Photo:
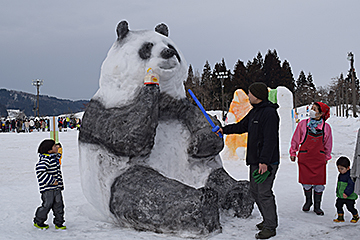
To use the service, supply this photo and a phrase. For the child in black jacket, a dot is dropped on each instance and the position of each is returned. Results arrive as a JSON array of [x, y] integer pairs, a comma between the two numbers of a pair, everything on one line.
[[345, 191]]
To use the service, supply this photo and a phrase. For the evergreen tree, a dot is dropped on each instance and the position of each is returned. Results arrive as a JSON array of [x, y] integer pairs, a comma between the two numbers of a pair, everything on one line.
[[254, 69], [311, 96], [193, 82], [208, 88], [189, 83], [340, 89], [301, 90], [260, 60], [240, 79], [325, 94], [348, 80], [205, 86], [305, 91], [272, 69], [286, 77], [197, 81]]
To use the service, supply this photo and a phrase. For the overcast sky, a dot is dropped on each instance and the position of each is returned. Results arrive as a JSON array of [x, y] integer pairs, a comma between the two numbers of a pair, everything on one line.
[[65, 42]]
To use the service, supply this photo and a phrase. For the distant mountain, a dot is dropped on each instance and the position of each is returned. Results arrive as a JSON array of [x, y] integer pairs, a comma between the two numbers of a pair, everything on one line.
[[49, 106]]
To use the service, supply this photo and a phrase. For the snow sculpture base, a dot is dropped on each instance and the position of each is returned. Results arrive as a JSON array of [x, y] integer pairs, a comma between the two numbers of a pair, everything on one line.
[[232, 194], [143, 199]]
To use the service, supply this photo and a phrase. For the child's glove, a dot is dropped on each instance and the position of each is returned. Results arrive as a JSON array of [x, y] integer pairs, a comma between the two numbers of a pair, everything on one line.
[[60, 151], [260, 178], [151, 77]]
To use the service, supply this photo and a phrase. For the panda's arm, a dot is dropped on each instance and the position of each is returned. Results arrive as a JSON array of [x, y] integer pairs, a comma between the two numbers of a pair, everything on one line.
[[203, 141], [127, 130]]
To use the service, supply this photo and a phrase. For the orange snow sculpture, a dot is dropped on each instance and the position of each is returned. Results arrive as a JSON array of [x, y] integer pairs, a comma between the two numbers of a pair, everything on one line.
[[239, 107]]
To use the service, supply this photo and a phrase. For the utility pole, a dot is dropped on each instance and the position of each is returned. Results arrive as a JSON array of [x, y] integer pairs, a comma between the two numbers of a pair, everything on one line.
[[343, 97], [37, 83], [353, 88], [222, 76], [346, 97]]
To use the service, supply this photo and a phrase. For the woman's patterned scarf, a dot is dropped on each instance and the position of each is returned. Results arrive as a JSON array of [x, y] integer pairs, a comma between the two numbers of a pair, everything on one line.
[[312, 124]]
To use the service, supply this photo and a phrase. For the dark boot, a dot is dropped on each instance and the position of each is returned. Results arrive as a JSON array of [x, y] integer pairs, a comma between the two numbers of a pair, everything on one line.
[[355, 218], [340, 218], [265, 233], [317, 203], [260, 226], [308, 200]]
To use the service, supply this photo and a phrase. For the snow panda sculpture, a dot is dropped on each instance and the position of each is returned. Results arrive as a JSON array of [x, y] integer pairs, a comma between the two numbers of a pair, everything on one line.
[[148, 158]]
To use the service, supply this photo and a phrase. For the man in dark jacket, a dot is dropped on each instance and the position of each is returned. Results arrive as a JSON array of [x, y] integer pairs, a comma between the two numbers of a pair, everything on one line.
[[262, 126]]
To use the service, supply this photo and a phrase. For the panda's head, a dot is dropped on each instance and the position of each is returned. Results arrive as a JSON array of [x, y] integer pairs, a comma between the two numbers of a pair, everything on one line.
[[126, 64]]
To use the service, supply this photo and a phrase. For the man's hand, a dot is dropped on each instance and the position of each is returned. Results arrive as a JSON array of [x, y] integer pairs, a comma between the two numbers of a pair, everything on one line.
[[345, 196], [56, 182], [292, 158], [261, 174], [262, 168], [220, 130]]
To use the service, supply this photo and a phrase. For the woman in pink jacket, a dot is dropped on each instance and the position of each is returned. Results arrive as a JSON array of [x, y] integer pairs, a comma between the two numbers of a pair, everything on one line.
[[314, 138]]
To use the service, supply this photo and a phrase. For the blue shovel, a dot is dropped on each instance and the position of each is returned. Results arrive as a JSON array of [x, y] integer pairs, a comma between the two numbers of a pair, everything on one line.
[[215, 128]]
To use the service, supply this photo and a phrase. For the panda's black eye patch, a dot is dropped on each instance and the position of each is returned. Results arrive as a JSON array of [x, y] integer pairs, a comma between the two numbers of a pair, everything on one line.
[[145, 50], [175, 52]]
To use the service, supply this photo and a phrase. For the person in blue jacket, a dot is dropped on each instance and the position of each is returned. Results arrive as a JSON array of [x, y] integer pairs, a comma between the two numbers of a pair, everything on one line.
[[345, 191]]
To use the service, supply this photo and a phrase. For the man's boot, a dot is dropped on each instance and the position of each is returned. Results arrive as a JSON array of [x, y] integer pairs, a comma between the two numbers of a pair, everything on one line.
[[308, 200], [260, 226], [317, 203], [265, 233]]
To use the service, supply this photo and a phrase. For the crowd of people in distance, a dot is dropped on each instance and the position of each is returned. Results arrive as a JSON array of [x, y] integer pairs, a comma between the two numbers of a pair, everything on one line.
[[65, 122], [37, 124]]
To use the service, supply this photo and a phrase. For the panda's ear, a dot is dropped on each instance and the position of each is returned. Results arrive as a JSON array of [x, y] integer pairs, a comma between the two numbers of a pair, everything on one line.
[[122, 29], [162, 29]]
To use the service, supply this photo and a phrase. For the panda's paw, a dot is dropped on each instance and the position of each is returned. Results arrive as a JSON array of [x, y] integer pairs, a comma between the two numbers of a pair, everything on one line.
[[151, 77]]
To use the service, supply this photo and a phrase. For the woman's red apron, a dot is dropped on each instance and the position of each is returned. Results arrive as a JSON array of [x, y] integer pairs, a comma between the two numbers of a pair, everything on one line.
[[311, 158]]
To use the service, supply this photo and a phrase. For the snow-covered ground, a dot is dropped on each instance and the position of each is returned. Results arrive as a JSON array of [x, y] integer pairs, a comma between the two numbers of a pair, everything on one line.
[[19, 196]]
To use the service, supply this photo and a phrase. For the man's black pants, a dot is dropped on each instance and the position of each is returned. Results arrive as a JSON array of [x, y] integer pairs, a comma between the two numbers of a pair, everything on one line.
[[264, 197]]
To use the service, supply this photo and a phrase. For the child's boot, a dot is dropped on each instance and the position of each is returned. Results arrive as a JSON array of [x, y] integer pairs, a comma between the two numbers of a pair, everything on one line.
[[355, 218], [41, 226], [60, 227], [317, 203], [340, 218], [308, 200]]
